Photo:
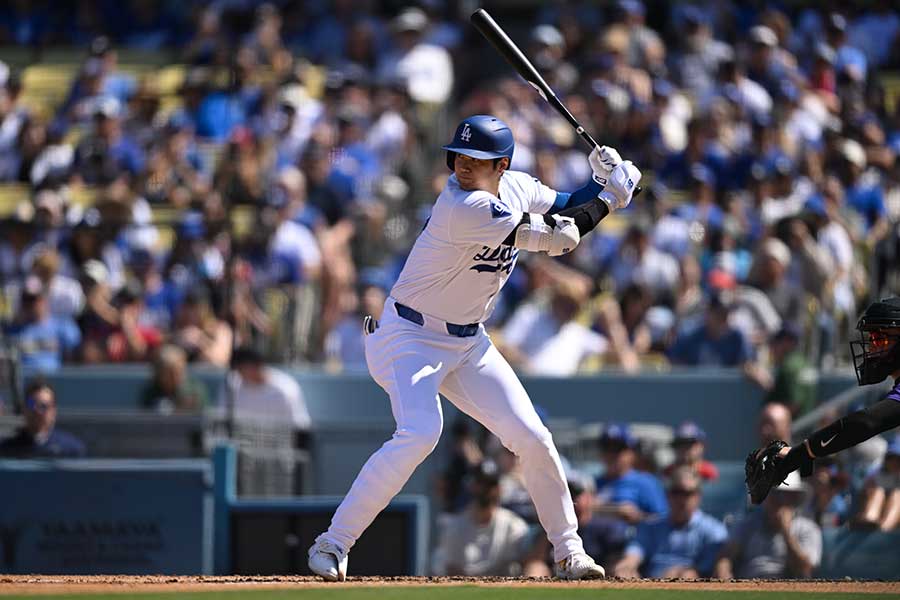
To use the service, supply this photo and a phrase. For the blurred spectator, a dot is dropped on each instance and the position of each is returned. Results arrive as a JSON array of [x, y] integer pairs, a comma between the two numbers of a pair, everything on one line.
[[427, 69], [639, 262], [172, 389], [486, 539], [263, 394], [200, 333], [716, 343], [131, 339], [545, 338], [685, 545], [689, 445], [795, 378], [64, 294], [775, 542], [624, 324], [623, 492], [829, 502], [107, 153], [774, 423], [43, 340], [344, 343], [880, 502], [13, 119], [40, 438], [465, 457]]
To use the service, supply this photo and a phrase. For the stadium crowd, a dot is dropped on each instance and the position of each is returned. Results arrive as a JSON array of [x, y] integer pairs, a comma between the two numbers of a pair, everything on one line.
[[770, 214], [268, 201]]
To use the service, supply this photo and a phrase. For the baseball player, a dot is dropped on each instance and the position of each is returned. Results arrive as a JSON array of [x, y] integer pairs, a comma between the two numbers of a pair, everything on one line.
[[875, 356], [431, 339]]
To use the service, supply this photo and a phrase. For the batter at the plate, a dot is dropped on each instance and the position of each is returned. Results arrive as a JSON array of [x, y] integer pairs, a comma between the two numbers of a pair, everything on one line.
[[431, 341]]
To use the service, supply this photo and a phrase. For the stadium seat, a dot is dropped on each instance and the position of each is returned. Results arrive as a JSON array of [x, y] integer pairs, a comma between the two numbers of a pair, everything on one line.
[[859, 554], [44, 86], [726, 496], [11, 194]]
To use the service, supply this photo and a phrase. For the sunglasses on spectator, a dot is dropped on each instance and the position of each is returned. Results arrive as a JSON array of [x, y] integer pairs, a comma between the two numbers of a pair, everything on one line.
[[683, 491]]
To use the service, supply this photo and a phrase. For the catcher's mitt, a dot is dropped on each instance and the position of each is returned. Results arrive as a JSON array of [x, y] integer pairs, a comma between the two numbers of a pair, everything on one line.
[[761, 471]]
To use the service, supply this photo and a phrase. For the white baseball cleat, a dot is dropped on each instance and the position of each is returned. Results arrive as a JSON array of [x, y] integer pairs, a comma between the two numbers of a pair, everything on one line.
[[579, 566], [327, 560]]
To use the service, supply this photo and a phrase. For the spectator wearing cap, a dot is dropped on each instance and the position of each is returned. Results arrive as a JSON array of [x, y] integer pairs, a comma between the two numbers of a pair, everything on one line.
[[294, 255], [776, 542], [132, 339], [107, 153], [622, 491], [863, 195], [426, 68], [698, 56], [160, 296], [200, 332], [240, 175], [795, 378], [13, 120], [39, 437], [624, 323], [879, 506], [824, 213], [44, 341], [763, 64], [175, 173], [295, 116], [848, 59], [548, 51], [689, 445], [684, 545], [681, 170], [645, 47], [171, 388], [713, 342], [485, 539], [769, 273], [99, 317]]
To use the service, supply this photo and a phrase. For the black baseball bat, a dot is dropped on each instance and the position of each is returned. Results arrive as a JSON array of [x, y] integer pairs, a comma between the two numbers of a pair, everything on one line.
[[493, 33]]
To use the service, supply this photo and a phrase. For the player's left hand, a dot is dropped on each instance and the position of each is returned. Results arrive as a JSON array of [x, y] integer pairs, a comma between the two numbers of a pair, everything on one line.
[[603, 159], [761, 471]]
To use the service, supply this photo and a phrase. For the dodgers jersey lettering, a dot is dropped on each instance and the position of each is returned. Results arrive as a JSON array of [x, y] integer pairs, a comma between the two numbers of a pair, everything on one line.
[[458, 263]]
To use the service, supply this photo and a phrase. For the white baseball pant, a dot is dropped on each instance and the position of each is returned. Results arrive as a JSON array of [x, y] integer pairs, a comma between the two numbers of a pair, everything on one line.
[[413, 363]]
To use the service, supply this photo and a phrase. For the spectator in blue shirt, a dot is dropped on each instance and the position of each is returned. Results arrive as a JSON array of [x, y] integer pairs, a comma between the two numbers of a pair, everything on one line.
[[108, 153], [849, 59], [43, 340], [684, 545], [863, 195], [714, 342], [622, 491], [39, 438]]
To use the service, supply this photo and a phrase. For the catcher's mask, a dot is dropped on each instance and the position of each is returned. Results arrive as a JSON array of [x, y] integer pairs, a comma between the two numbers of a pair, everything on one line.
[[877, 354]]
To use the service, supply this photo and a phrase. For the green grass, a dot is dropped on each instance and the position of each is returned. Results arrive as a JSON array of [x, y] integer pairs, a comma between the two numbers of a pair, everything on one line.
[[465, 592]]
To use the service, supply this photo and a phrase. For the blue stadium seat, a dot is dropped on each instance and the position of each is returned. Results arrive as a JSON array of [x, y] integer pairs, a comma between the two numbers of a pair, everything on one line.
[[859, 554], [727, 495]]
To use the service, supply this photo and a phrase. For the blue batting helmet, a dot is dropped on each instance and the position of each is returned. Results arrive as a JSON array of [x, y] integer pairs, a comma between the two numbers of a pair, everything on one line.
[[481, 136]]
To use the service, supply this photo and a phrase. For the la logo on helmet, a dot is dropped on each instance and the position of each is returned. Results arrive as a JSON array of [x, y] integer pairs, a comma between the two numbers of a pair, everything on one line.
[[466, 133]]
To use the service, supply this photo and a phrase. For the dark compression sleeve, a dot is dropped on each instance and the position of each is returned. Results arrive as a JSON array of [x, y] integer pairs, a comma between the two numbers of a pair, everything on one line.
[[848, 431], [586, 217]]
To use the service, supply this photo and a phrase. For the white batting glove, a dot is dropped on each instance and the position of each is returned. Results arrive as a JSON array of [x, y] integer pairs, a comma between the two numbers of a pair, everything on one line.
[[622, 181], [603, 160]]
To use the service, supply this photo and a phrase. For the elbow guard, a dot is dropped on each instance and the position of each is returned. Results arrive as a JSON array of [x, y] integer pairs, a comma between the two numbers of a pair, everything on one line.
[[535, 235]]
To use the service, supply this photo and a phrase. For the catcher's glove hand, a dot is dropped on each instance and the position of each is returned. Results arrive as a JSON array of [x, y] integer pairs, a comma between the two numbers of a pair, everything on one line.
[[761, 471]]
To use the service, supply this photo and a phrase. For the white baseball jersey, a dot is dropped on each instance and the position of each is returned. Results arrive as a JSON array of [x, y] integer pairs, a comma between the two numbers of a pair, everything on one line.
[[459, 263]]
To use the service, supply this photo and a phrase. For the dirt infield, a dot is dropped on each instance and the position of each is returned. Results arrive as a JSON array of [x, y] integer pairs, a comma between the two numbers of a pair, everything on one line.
[[61, 584]]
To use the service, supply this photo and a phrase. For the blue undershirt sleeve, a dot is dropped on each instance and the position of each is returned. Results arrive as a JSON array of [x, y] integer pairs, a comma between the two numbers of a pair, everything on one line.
[[584, 194]]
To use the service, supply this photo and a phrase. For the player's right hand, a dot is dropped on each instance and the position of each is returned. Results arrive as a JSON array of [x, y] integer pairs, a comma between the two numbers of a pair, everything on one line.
[[622, 182], [603, 159]]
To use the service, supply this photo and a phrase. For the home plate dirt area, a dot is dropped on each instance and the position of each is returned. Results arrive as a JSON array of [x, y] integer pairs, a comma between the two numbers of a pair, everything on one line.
[[430, 588]]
